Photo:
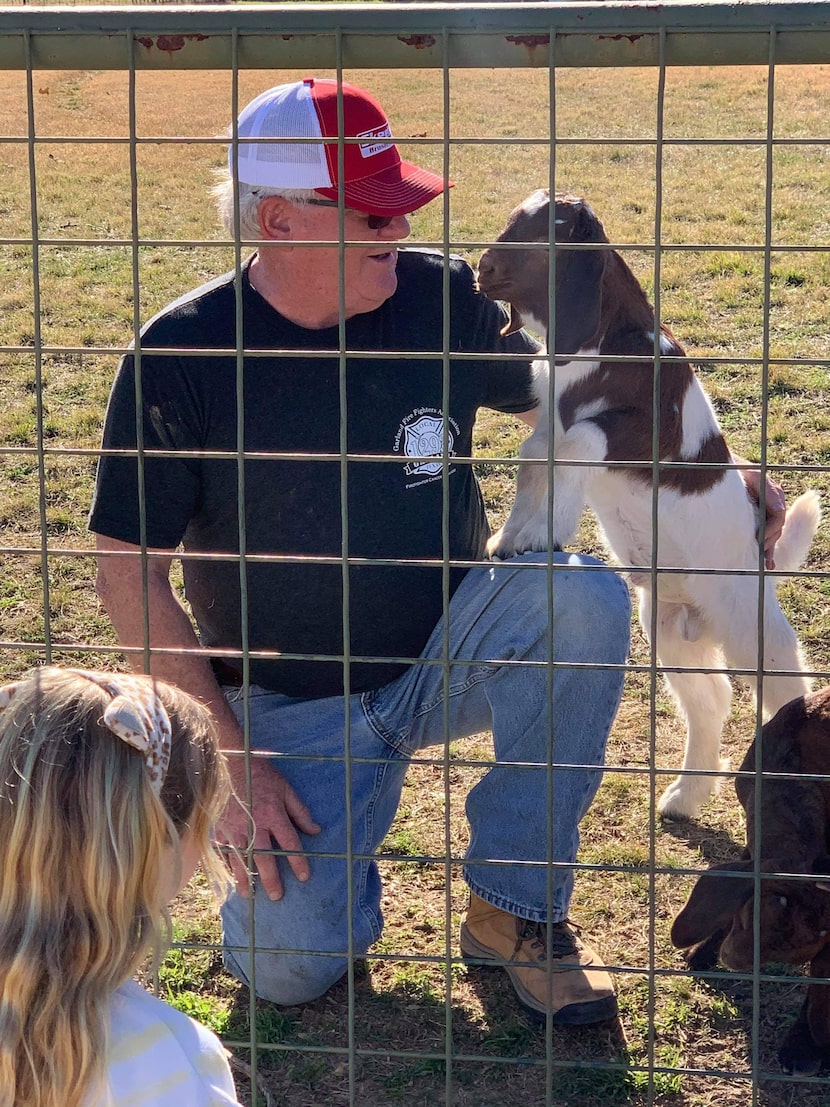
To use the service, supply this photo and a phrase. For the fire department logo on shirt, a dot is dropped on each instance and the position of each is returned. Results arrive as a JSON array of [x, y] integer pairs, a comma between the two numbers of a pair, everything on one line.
[[421, 435]]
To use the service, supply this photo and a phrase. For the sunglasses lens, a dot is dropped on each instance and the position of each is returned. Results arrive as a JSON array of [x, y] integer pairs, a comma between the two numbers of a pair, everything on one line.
[[374, 222]]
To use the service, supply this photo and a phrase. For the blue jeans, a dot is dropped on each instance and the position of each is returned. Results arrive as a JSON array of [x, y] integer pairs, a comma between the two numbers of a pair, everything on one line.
[[539, 716]]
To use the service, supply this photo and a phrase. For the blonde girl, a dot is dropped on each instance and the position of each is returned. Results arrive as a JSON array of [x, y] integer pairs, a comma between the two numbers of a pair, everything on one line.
[[109, 786]]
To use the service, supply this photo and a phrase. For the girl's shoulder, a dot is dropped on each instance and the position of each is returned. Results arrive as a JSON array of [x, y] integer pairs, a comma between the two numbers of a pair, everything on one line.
[[172, 1057]]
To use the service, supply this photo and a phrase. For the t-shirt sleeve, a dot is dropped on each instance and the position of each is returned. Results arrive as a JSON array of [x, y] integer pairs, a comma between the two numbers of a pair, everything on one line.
[[170, 422], [506, 383], [159, 1057], [213, 1069]]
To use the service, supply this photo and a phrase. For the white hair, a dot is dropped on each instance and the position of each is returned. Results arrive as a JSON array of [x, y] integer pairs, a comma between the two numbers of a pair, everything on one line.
[[250, 197]]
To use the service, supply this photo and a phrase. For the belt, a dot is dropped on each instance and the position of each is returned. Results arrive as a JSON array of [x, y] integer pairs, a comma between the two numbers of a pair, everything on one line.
[[225, 673]]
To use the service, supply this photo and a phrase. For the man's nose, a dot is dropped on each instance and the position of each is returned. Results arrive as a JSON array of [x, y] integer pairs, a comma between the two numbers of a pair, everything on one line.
[[400, 227]]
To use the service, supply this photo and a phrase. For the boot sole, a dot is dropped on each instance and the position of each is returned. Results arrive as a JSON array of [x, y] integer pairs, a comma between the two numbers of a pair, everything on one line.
[[574, 1014]]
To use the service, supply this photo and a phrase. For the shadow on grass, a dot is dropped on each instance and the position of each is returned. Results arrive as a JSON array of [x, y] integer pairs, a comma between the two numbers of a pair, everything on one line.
[[582, 1065], [715, 846], [733, 1013], [397, 1051]]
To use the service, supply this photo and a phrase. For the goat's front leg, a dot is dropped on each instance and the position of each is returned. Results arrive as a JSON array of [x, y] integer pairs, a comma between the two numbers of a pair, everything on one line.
[[806, 1048], [800, 1054], [527, 526]]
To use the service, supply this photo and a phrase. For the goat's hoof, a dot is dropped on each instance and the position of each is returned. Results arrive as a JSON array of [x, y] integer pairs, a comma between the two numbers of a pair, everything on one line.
[[800, 1055], [686, 794], [500, 550], [501, 555], [675, 803]]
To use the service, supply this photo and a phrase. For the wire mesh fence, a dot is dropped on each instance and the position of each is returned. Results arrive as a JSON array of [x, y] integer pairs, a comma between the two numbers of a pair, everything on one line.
[[697, 133]]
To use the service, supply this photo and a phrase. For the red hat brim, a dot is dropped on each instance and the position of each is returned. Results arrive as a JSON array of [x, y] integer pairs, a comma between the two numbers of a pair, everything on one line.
[[397, 190]]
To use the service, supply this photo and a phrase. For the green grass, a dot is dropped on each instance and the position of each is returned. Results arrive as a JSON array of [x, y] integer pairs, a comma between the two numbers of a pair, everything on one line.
[[713, 298]]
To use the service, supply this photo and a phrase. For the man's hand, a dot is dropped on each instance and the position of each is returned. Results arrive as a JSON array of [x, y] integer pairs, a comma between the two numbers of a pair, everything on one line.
[[775, 505], [277, 812]]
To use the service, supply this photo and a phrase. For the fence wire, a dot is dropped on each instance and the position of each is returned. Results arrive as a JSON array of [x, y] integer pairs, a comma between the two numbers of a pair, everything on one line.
[[745, 293]]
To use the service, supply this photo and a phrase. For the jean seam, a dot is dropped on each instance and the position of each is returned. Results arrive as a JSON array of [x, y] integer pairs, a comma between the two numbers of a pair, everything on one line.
[[483, 672], [372, 916], [236, 693], [375, 721], [397, 740]]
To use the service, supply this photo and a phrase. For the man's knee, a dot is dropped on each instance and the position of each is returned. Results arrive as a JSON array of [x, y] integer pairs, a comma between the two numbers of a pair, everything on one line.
[[590, 603], [287, 979], [597, 599], [295, 955]]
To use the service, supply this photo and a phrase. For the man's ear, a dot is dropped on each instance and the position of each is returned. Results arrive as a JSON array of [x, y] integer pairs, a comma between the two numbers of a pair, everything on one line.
[[275, 218]]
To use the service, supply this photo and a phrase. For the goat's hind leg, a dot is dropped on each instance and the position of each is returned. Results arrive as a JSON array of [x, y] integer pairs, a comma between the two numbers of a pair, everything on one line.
[[704, 700], [782, 650]]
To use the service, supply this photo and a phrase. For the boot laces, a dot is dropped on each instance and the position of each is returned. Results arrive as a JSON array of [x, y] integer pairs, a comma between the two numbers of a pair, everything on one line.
[[563, 938]]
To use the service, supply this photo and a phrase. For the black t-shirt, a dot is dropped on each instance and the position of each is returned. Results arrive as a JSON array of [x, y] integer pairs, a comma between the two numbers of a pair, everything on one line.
[[292, 405]]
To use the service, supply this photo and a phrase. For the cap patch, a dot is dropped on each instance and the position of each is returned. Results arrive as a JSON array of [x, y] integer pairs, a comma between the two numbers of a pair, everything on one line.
[[369, 149]]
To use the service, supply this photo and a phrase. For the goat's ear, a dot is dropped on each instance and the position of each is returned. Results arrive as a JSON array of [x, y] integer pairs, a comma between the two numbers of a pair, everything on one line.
[[821, 867], [578, 298], [513, 324], [712, 903]]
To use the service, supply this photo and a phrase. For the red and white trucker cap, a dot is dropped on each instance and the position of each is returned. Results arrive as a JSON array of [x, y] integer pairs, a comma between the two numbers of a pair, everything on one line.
[[376, 181]]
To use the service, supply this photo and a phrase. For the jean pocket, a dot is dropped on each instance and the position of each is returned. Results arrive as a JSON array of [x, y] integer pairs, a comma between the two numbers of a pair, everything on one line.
[[380, 714]]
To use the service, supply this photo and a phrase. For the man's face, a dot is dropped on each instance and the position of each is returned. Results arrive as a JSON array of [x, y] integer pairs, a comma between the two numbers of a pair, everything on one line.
[[369, 270]]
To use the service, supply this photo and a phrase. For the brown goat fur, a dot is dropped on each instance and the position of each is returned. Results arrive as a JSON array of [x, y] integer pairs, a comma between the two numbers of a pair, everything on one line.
[[789, 832]]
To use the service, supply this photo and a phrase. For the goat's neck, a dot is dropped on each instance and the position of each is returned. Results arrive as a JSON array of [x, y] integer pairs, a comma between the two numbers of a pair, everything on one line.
[[535, 309]]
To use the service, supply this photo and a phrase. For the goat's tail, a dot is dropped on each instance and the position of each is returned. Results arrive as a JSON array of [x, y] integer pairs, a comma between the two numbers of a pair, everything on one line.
[[803, 518]]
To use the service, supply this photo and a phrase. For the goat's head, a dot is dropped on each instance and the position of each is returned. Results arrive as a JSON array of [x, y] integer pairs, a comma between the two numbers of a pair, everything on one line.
[[794, 914], [520, 275]]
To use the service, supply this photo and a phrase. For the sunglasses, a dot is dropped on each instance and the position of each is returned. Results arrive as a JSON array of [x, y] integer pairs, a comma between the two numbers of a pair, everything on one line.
[[375, 222]]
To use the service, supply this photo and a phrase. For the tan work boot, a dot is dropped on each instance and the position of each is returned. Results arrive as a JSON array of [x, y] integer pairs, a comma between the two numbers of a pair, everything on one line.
[[570, 987]]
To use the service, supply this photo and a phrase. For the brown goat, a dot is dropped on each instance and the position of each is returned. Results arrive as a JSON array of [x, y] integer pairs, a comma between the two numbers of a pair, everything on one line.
[[596, 416], [790, 834]]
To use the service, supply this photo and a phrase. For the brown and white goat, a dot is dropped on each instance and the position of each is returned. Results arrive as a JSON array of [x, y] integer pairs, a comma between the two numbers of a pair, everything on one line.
[[790, 833], [602, 411]]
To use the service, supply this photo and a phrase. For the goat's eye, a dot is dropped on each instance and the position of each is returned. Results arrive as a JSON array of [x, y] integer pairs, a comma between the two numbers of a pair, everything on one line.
[[782, 900]]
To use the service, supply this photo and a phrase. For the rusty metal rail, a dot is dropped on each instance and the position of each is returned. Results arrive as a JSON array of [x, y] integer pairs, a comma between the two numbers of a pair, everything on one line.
[[618, 33]]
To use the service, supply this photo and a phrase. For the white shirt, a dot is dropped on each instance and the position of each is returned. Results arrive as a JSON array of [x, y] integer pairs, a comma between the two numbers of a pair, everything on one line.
[[159, 1057]]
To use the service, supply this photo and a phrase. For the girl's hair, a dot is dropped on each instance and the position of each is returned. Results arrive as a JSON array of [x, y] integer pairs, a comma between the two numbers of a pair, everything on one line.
[[250, 197], [86, 846]]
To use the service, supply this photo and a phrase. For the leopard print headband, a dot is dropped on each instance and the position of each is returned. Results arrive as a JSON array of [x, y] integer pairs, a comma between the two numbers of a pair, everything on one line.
[[135, 714]]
